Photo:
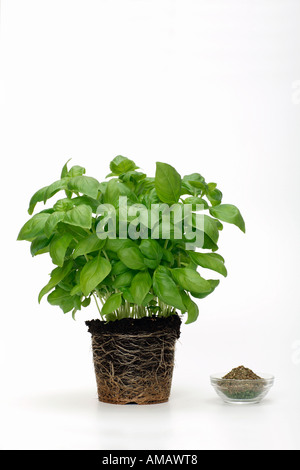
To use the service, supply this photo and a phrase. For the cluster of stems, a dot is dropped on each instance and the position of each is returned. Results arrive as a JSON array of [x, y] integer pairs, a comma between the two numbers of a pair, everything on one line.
[[128, 310]]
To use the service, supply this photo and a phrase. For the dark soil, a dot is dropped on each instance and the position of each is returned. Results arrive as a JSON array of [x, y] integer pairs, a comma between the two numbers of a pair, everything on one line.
[[136, 326]]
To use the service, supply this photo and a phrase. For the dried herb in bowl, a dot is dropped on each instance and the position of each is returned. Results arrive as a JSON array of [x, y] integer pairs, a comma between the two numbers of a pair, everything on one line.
[[241, 384], [241, 373]]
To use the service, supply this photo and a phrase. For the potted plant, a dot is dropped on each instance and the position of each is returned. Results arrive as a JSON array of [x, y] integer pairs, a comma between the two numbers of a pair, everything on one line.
[[131, 243]]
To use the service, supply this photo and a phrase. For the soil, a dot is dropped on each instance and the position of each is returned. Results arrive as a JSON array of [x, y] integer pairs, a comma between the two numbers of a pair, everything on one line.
[[134, 358], [136, 326]]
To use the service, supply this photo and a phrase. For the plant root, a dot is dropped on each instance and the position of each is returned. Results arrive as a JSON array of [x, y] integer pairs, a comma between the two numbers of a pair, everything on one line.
[[134, 368]]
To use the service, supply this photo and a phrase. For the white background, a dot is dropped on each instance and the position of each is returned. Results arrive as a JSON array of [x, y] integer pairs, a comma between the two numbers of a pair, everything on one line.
[[207, 86]]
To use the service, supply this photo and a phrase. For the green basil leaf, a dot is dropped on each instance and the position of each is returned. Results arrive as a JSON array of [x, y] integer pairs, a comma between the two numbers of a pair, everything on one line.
[[196, 202], [123, 280], [112, 304], [76, 290], [147, 300], [199, 185], [167, 183], [87, 201], [65, 174], [63, 205], [56, 276], [76, 171], [151, 263], [190, 280], [64, 171], [37, 197], [88, 245], [203, 222], [119, 268], [193, 312], [117, 244], [77, 232], [33, 227], [68, 282], [40, 245], [144, 187], [215, 197], [132, 176], [80, 216], [168, 256], [52, 222], [208, 244], [58, 248], [77, 303], [114, 190], [211, 261], [213, 284], [132, 258], [211, 228], [127, 296], [111, 255], [84, 184], [55, 188], [152, 250], [191, 308], [94, 272], [86, 302], [193, 184], [165, 288], [62, 299], [194, 177], [230, 214], [120, 165], [140, 286]]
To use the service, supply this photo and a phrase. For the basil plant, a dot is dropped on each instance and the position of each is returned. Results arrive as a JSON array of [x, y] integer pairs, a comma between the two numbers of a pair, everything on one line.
[[133, 243]]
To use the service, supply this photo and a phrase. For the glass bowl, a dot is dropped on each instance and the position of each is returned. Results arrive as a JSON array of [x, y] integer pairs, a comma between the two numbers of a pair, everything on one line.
[[242, 391]]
